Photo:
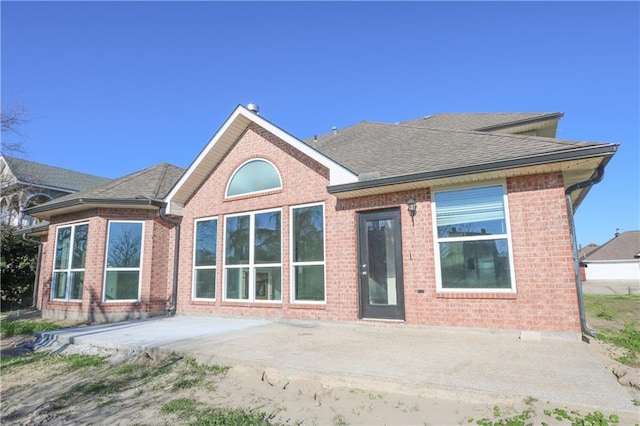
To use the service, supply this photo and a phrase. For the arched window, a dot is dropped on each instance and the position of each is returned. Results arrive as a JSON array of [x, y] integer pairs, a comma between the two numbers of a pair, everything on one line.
[[254, 176]]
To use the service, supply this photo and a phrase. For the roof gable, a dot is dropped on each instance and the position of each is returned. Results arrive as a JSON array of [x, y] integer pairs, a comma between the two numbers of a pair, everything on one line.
[[222, 142], [44, 175]]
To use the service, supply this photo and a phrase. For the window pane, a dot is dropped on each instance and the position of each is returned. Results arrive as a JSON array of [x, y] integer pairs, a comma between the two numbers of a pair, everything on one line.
[[267, 238], [472, 211], [256, 175], [125, 243], [122, 285], [475, 264], [205, 283], [308, 234], [237, 283], [77, 279], [206, 235], [309, 282], [79, 246], [59, 285], [268, 284], [62, 248], [237, 240]]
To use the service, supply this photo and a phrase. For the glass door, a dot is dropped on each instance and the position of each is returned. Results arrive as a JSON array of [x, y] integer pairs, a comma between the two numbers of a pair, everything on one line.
[[380, 265]]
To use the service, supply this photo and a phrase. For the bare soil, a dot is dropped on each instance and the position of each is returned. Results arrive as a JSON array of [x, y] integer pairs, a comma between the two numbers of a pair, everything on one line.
[[47, 393]]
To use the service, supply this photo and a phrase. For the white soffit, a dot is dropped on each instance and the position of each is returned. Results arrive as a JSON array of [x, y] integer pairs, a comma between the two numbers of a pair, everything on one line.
[[222, 141]]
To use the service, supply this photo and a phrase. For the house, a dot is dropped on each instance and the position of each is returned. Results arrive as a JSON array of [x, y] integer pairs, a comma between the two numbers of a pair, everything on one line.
[[27, 184], [454, 220], [617, 259]]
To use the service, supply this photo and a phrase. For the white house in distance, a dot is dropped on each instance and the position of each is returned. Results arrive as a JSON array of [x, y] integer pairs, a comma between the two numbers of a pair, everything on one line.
[[617, 259]]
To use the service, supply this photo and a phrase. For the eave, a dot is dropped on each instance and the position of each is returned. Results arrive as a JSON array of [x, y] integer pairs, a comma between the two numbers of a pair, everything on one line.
[[576, 165], [220, 144], [46, 211]]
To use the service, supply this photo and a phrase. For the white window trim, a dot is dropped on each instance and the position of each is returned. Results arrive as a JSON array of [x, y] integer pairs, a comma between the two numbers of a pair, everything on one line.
[[293, 264], [251, 265], [507, 236], [244, 194], [106, 258], [195, 268], [68, 269]]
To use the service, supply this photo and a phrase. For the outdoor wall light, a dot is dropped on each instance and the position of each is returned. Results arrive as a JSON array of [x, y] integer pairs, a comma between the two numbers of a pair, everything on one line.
[[411, 207]]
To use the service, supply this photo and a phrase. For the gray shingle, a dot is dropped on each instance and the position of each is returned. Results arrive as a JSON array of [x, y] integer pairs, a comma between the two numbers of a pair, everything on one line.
[[34, 173], [151, 183], [625, 246], [476, 121], [396, 150]]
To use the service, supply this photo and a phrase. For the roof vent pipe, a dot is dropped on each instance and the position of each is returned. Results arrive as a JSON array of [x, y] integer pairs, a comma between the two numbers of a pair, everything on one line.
[[254, 108], [334, 129]]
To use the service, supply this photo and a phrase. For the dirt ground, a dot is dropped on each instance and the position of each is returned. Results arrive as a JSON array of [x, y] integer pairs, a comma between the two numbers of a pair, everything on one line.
[[131, 387]]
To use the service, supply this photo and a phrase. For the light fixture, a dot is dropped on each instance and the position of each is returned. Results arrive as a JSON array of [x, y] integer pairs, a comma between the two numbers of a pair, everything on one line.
[[411, 207]]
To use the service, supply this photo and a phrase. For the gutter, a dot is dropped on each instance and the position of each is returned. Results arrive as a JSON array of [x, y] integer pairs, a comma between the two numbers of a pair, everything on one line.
[[171, 311], [574, 154], [80, 201], [595, 179]]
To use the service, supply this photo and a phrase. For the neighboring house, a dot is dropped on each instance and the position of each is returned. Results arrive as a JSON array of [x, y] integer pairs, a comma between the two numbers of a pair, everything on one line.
[[26, 184], [617, 259], [455, 220], [582, 253]]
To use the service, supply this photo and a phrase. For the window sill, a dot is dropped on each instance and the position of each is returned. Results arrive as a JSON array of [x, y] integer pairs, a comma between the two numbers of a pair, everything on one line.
[[275, 304], [477, 295], [318, 306], [79, 302]]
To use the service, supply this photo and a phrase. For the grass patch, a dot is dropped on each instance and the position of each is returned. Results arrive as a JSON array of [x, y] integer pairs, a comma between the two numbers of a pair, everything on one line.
[[21, 360], [195, 374], [612, 307], [628, 339], [231, 416], [17, 327], [189, 409], [184, 408], [76, 361]]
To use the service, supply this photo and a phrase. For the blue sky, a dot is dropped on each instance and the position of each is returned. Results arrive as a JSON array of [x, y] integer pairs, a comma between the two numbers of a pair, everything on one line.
[[114, 87]]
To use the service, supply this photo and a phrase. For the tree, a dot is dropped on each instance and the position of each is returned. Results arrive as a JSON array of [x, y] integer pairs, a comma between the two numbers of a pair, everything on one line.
[[12, 117], [18, 259]]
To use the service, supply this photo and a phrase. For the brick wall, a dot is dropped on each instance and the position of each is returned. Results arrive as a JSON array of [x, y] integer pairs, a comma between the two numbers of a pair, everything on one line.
[[545, 300], [156, 266]]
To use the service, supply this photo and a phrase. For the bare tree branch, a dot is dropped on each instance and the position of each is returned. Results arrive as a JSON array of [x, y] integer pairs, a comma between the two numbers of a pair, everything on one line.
[[12, 118]]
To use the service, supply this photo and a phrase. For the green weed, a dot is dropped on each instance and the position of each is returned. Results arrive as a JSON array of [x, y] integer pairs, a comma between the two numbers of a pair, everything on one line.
[[231, 416], [590, 419], [21, 360], [76, 361], [182, 407], [628, 338], [16, 327]]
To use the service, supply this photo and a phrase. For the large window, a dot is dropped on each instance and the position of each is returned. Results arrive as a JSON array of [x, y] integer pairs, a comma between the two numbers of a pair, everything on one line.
[[472, 240], [204, 259], [253, 259], [252, 177], [124, 258], [307, 252], [68, 269]]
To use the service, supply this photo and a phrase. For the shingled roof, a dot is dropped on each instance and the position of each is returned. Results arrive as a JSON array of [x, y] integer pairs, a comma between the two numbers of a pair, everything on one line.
[[152, 183], [625, 246], [480, 121], [387, 150], [34, 173]]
